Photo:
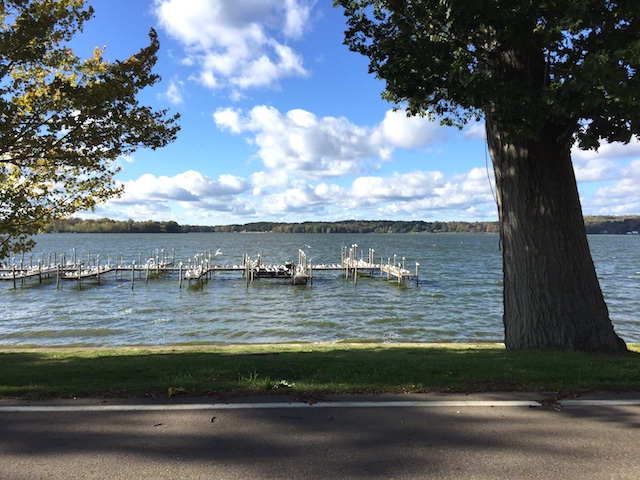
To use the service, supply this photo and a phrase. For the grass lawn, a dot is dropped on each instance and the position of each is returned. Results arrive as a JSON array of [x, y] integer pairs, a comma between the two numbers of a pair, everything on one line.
[[307, 370]]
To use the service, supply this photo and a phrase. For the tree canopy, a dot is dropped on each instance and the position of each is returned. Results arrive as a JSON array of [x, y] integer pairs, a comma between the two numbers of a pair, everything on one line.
[[525, 61], [65, 120]]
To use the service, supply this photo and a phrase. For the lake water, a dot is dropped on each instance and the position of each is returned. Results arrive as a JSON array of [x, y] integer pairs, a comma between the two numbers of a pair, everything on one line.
[[458, 299]]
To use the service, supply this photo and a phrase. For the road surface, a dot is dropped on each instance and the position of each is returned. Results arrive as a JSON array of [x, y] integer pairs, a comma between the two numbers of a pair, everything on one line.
[[480, 436]]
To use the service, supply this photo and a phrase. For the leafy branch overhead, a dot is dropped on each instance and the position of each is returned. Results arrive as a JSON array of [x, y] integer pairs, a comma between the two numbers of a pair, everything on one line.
[[575, 61], [65, 120]]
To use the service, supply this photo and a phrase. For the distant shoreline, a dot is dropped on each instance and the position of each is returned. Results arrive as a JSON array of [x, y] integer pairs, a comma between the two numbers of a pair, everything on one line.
[[614, 225]]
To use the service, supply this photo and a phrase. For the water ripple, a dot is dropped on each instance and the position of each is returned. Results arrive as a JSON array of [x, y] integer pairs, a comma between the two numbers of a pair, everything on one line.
[[459, 298]]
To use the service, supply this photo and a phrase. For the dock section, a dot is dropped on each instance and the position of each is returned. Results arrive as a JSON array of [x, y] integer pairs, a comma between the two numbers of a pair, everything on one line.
[[202, 268], [355, 266]]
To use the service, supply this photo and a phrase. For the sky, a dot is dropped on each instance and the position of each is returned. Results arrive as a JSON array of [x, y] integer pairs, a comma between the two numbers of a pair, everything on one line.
[[281, 122]]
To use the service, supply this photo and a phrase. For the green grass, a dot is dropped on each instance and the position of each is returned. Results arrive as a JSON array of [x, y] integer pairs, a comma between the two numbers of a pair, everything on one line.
[[308, 371]]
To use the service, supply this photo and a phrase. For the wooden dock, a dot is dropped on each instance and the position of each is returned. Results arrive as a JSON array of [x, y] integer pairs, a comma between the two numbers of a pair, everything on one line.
[[391, 271], [201, 268]]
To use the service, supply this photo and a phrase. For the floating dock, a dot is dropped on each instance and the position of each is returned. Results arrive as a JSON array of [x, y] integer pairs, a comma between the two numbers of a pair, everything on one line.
[[202, 268]]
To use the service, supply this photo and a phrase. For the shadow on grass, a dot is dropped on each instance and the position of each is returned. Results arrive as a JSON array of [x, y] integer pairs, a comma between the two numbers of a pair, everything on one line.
[[308, 371]]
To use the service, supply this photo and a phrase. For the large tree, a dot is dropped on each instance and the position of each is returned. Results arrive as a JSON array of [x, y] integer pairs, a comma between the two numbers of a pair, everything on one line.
[[544, 75], [64, 120]]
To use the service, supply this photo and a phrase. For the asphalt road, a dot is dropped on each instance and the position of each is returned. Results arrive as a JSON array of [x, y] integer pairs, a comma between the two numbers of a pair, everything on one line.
[[432, 436]]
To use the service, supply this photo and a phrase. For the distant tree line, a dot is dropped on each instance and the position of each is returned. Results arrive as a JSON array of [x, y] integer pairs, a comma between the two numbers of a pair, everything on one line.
[[612, 225], [599, 225], [362, 226], [106, 225]]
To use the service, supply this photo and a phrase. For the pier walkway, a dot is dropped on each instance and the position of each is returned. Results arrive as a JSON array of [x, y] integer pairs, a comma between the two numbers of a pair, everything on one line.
[[391, 271], [202, 268]]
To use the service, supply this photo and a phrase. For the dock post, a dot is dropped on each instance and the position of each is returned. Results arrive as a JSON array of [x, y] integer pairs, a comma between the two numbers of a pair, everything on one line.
[[371, 261], [180, 275], [133, 273], [62, 264], [417, 265]]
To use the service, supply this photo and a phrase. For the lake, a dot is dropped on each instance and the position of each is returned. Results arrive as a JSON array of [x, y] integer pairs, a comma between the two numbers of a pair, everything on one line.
[[458, 298]]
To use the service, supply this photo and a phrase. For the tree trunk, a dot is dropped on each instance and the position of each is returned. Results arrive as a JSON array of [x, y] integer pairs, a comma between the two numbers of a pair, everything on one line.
[[552, 297]]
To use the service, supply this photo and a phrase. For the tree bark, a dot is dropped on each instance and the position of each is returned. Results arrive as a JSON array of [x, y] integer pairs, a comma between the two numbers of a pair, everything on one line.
[[552, 296]]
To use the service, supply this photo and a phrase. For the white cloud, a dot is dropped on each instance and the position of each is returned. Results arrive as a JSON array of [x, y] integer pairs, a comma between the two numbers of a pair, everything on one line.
[[619, 198], [173, 94], [315, 148], [228, 119], [297, 17], [594, 169], [418, 194], [238, 44], [475, 131], [300, 198], [603, 164], [458, 196], [373, 190], [190, 186], [609, 150], [402, 131], [301, 143], [478, 181], [265, 181], [201, 200]]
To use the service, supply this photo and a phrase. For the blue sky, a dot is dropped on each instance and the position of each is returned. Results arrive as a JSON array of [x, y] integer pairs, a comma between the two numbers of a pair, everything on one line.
[[281, 122]]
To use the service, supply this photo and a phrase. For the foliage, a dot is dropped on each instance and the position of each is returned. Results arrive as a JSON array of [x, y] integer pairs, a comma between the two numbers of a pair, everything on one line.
[[526, 61], [612, 225], [65, 120], [595, 225], [362, 226], [105, 225]]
